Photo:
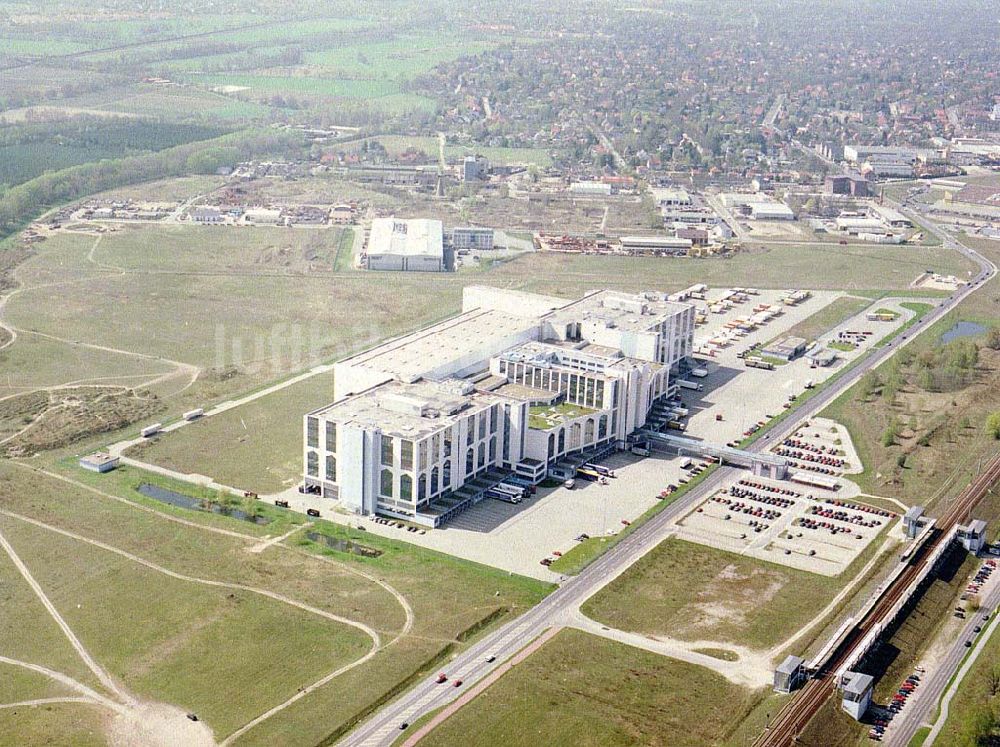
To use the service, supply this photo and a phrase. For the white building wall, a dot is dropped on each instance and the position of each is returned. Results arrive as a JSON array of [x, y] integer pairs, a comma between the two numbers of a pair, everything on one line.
[[349, 378], [358, 485], [389, 262]]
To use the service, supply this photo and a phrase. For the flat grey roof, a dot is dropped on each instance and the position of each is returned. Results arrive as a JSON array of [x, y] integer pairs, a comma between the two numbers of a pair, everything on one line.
[[790, 664], [412, 356], [858, 683], [626, 311], [410, 411]]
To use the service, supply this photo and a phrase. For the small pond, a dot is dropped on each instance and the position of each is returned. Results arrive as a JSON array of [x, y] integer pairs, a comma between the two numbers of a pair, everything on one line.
[[343, 545], [963, 329], [186, 501]]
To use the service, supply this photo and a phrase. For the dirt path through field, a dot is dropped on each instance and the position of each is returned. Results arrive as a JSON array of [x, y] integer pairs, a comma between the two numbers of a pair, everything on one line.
[[140, 723], [181, 369]]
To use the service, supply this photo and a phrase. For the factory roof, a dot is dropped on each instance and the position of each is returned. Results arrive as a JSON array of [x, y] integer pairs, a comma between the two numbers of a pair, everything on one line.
[[624, 311], [462, 337], [410, 411], [418, 237]]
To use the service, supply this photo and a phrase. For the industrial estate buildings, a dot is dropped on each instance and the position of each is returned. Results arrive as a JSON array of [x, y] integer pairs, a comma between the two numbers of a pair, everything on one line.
[[516, 383]]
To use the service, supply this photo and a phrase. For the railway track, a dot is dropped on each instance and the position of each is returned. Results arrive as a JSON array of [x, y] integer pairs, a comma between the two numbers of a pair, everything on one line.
[[793, 718]]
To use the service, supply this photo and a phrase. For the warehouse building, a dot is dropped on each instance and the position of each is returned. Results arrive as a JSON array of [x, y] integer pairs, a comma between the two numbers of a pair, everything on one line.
[[757, 206], [415, 245], [513, 384], [656, 245], [668, 197], [785, 348], [770, 211]]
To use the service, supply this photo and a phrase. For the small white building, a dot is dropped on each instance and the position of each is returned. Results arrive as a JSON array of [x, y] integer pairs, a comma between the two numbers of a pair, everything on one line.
[[669, 197], [263, 216], [655, 245], [99, 462], [590, 189], [973, 535], [770, 211], [857, 693], [415, 245]]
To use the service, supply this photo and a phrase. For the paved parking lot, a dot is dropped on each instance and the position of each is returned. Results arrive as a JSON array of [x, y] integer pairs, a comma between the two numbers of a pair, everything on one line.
[[517, 537], [745, 396], [782, 522], [824, 447]]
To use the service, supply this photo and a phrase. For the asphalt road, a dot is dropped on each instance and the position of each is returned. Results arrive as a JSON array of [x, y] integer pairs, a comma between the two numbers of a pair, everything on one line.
[[470, 666], [925, 699]]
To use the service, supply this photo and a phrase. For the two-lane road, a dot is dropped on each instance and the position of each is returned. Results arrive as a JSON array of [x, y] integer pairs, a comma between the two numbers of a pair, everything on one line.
[[471, 665], [925, 699]]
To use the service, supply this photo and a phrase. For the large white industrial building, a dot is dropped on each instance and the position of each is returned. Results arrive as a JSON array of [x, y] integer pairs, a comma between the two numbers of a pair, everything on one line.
[[416, 245], [516, 383]]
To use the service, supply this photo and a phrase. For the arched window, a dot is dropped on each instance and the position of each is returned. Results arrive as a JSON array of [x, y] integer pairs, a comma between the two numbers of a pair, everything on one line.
[[422, 488], [312, 464], [552, 445], [602, 427], [562, 441], [405, 488], [574, 436], [386, 488], [470, 461], [493, 449], [331, 468], [588, 431], [482, 455], [434, 481]]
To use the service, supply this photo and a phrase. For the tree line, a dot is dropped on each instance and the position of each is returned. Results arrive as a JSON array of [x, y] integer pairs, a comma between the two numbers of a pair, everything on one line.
[[25, 202]]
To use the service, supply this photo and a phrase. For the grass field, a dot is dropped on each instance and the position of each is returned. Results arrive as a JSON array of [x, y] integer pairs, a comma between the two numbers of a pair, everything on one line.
[[34, 361], [693, 592], [180, 642], [229, 654], [384, 95], [402, 58], [831, 315], [588, 691], [50, 724], [256, 447], [275, 303], [781, 266]]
